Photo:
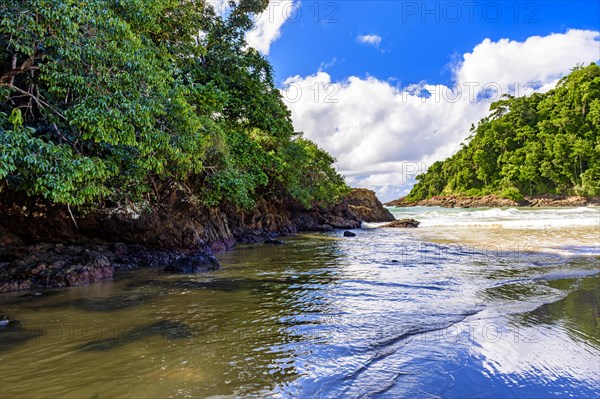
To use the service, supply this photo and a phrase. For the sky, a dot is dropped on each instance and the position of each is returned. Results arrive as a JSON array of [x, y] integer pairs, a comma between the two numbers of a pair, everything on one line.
[[389, 87]]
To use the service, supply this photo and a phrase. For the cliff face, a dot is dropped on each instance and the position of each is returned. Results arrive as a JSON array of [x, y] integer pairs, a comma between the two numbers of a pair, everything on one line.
[[180, 223], [42, 245]]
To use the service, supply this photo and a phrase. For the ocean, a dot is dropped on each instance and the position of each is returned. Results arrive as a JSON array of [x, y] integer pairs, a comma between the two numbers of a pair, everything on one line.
[[475, 303]]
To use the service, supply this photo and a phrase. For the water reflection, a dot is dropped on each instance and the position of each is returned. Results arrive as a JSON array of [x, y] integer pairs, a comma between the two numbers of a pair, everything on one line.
[[578, 312], [383, 314]]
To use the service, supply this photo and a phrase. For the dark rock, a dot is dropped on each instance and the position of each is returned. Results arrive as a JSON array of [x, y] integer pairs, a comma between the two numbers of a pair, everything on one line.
[[336, 217], [193, 264], [272, 241], [349, 234], [9, 239], [49, 266], [178, 223], [324, 228], [365, 204], [403, 223], [41, 246]]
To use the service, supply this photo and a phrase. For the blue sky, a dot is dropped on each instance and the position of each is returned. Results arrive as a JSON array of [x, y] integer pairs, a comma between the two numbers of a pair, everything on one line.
[[344, 68], [419, 39]]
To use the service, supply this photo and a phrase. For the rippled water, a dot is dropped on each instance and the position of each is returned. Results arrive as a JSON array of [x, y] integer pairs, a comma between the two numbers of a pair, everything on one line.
[[460, 307], [566, 231]]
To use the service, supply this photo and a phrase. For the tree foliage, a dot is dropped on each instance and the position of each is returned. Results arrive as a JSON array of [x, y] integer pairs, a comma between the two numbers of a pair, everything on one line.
[[108, 99], [541, 144]]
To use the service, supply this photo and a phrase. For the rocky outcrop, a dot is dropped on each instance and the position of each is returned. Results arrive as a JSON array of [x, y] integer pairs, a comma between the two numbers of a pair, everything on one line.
[[178, 223], [277, 216], [494, 201], [58, 265], [179, 234], [365, 204], [556, 201], [403, 223], [52, 266]]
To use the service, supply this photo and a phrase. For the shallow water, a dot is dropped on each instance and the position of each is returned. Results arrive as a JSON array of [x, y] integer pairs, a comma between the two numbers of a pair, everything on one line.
[[431, 312], [566, 231]]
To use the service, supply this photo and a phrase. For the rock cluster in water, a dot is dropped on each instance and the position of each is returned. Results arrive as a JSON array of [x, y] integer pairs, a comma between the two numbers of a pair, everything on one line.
[[403, 223], [59, 265], [365, 204]]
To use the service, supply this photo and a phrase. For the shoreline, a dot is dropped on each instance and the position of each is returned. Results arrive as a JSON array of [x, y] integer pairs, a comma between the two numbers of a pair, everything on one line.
[[44, 246], [494, 201], [206, 315]]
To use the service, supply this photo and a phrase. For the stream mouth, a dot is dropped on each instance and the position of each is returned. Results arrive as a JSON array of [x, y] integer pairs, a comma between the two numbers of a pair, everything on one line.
[[479, 307]]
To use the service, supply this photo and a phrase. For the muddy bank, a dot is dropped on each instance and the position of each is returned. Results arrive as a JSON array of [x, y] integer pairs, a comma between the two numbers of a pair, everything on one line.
[[495, 202], [44, 245]]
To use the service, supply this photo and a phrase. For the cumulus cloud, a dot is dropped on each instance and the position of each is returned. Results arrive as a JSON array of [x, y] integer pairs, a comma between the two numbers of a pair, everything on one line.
[[384, 134], [371, 40], [268, 25], [538, 60]]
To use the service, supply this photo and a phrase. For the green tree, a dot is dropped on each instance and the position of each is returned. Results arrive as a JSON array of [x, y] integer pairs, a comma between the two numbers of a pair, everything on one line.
[[541, 144], [106, 99]]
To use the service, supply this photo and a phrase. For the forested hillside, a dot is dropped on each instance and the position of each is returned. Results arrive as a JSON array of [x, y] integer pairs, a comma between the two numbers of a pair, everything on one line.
[[541, 144], [106, 101]]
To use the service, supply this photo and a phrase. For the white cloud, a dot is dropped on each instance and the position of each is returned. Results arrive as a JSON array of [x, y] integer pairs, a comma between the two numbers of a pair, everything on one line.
[[538, 59], [268, 25], [371, 40], [381, 134]]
